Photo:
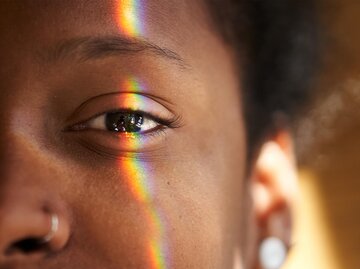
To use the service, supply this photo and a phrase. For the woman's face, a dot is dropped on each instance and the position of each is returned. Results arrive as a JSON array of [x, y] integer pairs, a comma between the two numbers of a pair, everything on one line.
[[124, 119]]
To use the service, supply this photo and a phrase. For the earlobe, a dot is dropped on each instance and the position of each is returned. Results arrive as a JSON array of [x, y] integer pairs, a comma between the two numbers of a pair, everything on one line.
[[274, 190]]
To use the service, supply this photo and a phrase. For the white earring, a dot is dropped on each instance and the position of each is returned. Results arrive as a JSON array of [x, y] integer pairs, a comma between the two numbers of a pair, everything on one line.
[[272, 253]]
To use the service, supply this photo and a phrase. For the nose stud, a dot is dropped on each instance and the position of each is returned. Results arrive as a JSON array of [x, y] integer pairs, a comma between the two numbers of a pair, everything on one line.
[[53, 229]]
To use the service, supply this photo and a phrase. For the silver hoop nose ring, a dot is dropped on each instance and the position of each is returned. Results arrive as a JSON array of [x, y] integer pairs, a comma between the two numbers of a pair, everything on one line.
[[53, 229]]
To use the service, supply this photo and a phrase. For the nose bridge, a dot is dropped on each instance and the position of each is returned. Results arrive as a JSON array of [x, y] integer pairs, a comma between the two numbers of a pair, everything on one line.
[[22, 161], [23, 174], [24, 158]]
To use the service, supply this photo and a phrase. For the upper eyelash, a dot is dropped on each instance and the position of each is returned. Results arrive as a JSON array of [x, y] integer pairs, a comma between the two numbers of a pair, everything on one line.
[[171, 123]]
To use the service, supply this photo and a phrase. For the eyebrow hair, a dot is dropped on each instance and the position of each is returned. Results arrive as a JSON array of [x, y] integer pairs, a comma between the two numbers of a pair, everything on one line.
[[92, 48]]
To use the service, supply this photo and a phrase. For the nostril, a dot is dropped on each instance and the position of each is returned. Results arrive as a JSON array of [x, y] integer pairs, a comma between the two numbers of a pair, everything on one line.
[[29, 236], [26, 246]]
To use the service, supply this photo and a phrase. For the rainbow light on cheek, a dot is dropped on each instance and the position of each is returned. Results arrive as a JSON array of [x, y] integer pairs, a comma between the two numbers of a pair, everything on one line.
[[130, 17], [140, 183]]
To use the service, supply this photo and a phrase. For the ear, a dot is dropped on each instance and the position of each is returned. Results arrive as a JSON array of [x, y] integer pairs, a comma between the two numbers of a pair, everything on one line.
[[274, 188]]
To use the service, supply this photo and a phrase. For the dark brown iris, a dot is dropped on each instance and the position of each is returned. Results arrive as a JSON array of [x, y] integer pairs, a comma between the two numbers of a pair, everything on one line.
[[126, 122]]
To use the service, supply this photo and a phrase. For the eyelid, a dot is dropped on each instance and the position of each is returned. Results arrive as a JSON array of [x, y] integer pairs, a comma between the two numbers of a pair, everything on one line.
[[121, 102]]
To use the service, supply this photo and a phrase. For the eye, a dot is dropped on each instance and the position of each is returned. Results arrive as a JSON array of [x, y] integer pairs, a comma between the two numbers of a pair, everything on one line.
[[132, 122], [115, 123]]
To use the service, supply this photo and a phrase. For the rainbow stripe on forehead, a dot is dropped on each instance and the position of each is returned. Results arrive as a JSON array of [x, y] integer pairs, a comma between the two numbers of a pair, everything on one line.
[[130, 17]]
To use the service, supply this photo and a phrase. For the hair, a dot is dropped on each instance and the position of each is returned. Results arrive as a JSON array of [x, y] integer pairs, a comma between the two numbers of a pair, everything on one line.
[[276, 45]]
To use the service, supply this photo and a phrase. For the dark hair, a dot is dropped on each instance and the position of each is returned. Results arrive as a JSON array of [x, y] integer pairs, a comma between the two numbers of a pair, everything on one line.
[[276, 41]]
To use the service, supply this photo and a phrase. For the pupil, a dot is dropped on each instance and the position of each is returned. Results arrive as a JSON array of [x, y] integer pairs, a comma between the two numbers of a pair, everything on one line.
[[124, 122]]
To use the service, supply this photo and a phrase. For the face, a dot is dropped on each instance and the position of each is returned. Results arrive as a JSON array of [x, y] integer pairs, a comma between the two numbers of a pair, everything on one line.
[[123, 119]]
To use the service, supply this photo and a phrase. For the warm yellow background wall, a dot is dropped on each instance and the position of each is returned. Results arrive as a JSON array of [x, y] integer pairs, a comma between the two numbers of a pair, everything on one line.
[[328, 136]]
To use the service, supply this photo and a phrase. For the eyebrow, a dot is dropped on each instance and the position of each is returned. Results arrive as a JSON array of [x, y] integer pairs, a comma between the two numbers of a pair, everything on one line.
[[92, 48]]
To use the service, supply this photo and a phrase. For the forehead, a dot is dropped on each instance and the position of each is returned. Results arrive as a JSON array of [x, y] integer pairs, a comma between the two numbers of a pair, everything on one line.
[[29, 28], [164, 21]]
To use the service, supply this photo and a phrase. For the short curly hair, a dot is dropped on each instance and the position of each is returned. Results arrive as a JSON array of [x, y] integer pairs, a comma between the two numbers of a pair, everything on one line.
[[277, 44]]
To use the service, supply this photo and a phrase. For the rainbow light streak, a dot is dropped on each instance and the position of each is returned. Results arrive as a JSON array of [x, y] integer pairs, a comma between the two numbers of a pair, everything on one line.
[[133, 85], [142, 188], [130, 17]]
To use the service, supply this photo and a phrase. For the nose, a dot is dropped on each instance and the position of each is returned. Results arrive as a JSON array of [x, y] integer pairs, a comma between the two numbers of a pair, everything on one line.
[[21, 232], [30, 232], [34, 222]]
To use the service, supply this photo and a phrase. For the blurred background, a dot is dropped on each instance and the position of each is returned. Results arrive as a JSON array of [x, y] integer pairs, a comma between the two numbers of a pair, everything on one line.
[[327, 229]]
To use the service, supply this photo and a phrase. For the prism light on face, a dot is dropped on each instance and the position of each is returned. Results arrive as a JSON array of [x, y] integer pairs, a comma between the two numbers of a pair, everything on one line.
[[141, 184], [130, 17]]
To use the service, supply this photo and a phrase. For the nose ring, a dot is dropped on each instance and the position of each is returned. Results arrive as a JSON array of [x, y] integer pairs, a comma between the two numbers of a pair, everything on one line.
[[53, 229]]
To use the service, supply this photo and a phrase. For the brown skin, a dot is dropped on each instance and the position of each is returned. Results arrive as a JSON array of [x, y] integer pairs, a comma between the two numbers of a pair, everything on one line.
[[197, 169]]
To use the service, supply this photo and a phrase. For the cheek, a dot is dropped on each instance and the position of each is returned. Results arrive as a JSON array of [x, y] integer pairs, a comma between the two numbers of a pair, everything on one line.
[[110, 225], [182, 212], [201, 193]]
